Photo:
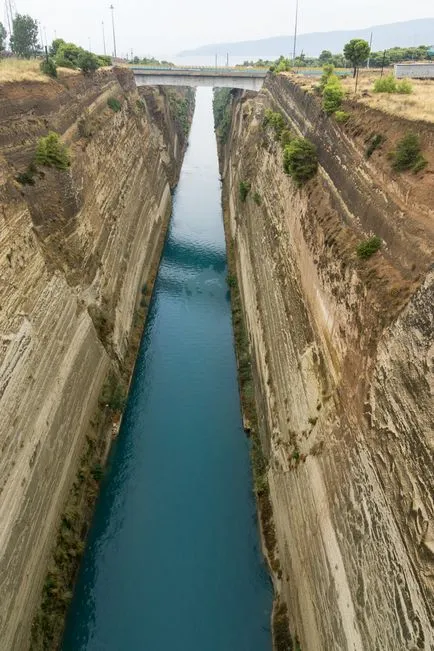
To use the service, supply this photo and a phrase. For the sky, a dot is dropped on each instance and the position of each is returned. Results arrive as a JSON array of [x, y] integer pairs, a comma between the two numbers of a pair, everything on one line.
[[164, 27]]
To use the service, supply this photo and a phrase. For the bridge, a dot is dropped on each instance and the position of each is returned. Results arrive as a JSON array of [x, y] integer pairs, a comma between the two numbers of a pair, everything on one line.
[[246, 78]]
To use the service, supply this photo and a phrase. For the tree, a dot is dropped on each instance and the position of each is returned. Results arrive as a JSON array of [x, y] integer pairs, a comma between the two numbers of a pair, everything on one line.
[[48, 67], [55, 45], [87, 62], [326, 56], [357, 51], [300, 160], [67, 55], [24, 39], [2, 37], [332, 95]]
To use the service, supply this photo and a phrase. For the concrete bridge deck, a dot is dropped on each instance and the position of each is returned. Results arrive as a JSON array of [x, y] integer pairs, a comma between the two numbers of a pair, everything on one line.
[[246, 78]]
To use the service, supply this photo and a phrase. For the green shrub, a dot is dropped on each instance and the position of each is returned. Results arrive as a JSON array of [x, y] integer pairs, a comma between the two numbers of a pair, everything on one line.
[[342, 116], [286, 137], [257, 198], [244, 189], [113, 395], [275, 120], [97, 472], [374, 143], [231, 280], [407, 155], [67, 55], [283, 65], [327, 72], [51, 152], [87, 62], [419, 165], [404, 87], [114, 104], [385, 84], [27, 177], [282, 638], [300, 160], [388, 84], [48, 67], [332, 95], [104, 60], [368, 247]]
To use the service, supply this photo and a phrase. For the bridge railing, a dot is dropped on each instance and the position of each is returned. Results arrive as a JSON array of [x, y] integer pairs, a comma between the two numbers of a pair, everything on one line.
[[212, 70]]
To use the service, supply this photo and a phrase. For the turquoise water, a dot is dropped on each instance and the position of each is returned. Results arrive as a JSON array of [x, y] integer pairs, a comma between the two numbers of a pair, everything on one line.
[[173, 559]]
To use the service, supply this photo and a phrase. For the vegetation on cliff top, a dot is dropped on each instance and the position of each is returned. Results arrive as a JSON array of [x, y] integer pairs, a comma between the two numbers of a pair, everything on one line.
[[389, 84], [332, 94], [337, 59]]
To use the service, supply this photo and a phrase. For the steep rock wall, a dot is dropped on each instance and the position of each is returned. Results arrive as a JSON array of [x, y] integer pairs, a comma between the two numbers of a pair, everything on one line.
[[342, 352], [75, 249]]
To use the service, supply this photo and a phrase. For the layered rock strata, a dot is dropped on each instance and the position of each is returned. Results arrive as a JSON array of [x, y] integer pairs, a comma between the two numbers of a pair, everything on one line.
[[342, 350], [76, 247]]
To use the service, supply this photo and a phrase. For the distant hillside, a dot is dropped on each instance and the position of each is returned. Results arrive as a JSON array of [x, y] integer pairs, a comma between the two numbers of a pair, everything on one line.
[[409, 33]]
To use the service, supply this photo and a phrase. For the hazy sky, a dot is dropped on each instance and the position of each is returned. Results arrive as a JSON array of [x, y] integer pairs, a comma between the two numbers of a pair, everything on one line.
[[164, 27]]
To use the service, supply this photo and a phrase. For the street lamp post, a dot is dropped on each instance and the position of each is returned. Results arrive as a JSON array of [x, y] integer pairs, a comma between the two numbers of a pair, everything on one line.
[[113, 27], [103, 37], [295, 33]]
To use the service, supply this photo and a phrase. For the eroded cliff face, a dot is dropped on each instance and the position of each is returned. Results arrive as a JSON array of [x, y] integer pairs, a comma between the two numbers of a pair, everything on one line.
[[76, 249], [342, 352]]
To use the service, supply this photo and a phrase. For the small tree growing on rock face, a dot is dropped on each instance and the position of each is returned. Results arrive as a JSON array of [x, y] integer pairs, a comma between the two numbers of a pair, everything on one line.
[[357, 51], [300, 160]]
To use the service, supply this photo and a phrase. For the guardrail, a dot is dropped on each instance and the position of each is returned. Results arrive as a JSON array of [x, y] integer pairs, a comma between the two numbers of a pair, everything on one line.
[[259, 72]]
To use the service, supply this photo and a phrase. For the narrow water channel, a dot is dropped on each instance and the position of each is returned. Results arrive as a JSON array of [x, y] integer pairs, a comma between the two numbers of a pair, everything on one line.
[[173, 560]]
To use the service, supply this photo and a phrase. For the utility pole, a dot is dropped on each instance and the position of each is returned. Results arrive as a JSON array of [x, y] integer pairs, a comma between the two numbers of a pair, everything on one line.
[[216, 61], [370, 48], [90, 44], [227, 59], [113, 27], [295, 32], [103, 37], [10, 14]]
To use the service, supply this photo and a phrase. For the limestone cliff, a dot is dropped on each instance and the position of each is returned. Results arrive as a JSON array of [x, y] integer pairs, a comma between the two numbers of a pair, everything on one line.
[[342, 353], [76, 248]]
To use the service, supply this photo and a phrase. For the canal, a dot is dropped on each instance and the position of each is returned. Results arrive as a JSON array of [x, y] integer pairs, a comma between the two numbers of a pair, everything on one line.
[[173, 559]]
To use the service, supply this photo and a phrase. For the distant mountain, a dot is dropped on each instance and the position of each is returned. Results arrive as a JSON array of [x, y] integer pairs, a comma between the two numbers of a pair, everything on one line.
[[406, 34]]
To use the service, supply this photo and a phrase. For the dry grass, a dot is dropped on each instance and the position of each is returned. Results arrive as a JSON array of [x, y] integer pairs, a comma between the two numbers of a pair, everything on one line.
[[13, 70], [417, 106], [20, 70]]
